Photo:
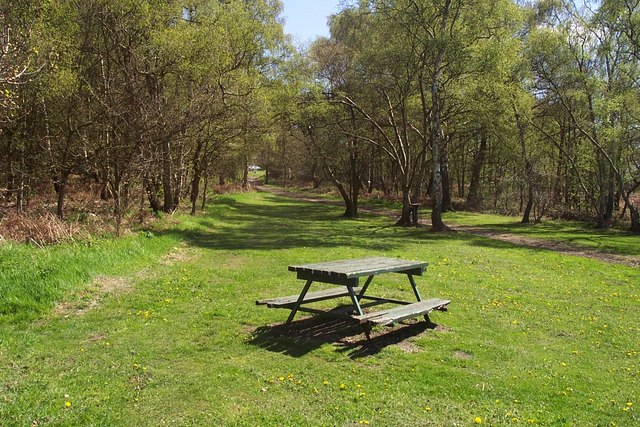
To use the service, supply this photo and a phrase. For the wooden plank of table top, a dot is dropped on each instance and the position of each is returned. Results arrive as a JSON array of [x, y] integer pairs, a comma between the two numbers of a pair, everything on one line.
[[352, 268]]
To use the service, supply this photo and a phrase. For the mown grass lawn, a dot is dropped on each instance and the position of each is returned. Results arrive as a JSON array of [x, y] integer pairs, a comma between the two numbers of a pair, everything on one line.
[[532, 337]]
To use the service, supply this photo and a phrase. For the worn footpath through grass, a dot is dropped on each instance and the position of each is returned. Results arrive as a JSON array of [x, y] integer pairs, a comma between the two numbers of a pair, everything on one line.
[[531, 336]]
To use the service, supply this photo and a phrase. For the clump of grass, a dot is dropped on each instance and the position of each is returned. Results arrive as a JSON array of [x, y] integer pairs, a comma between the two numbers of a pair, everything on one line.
[[33, 278]]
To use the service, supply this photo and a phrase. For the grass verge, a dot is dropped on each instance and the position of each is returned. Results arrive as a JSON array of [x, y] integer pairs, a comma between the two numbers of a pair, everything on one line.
[[33, 278]]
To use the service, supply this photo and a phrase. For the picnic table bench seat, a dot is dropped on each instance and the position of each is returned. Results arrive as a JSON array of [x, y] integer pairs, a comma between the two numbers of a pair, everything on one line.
[[403, 312], [310, 297]]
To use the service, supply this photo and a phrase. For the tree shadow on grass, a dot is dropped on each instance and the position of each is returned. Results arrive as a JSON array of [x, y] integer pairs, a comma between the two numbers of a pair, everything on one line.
[[287, 225], [310, 333]]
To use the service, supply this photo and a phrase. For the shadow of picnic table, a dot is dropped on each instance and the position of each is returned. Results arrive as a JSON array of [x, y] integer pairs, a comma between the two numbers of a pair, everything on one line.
[[307, 334]]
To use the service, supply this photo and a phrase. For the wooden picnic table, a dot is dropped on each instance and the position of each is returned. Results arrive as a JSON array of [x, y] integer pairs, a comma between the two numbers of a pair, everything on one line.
[[347, 273]]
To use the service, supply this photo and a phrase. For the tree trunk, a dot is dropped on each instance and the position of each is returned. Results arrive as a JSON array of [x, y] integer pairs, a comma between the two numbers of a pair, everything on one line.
[[474, 199], [635, 219], [180, 178], [436, 132], [528, 167], [20, 187], [317, 180], [527, 210], [206, 186], [436, 213], [350, 211], [197, 174], [405, 215], [61, 189], [167, 189], [354, 180], [422, 165], [245, 173], [151, 190], [447, 206]]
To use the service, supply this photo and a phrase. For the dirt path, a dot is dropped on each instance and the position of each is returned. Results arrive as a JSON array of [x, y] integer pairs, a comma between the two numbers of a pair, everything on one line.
[[581, 251]]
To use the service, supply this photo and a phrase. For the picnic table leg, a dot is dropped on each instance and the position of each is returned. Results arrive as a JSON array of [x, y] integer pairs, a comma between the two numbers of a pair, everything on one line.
[[354, 299], [296, 306], [415, 287], [417, 293], [356, 303], [367, 331], [364, 288]]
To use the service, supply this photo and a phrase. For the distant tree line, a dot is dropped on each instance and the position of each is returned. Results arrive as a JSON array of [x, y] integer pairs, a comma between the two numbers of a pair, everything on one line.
[[502, 105], [151, 94]]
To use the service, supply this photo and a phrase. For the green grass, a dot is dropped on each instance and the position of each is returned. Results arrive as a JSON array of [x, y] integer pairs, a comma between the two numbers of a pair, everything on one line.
[[572, 232], [32, 279], [531, 336], [579, 234]]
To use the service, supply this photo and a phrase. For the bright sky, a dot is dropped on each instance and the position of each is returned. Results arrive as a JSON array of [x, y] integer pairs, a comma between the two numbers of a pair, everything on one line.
[[307, 19]]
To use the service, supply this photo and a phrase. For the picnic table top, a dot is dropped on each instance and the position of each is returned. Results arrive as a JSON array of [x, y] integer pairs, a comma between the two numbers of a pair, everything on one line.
[[353, 268]]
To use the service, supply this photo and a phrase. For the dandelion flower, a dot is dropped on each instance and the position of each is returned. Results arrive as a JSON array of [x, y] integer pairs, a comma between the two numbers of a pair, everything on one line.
[[478, 420], [67, 404]]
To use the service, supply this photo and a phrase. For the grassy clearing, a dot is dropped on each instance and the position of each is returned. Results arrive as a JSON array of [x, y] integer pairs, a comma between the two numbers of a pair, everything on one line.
[[532, 337], [576, 233]]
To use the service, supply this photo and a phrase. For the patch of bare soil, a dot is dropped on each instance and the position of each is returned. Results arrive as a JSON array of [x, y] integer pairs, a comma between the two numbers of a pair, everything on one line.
[[178, 254], [109, 286], [459, 354], [408, 346], [90, 297], [564, 248]]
